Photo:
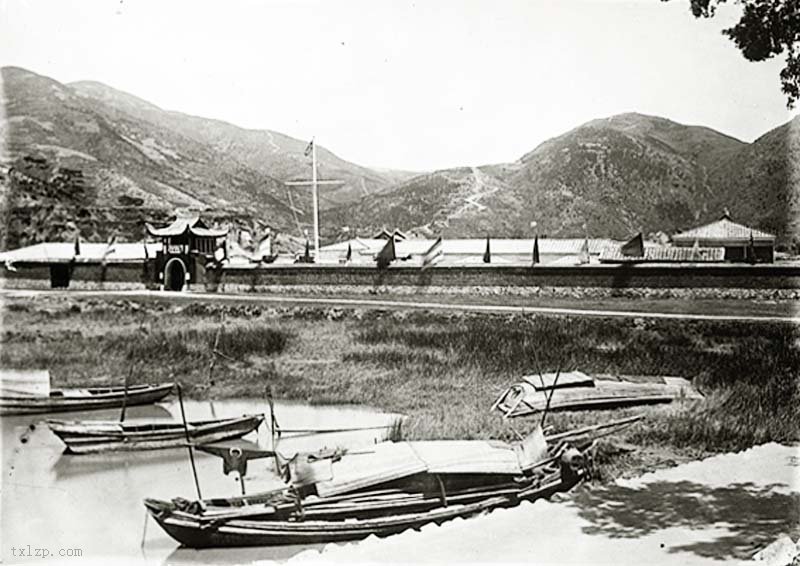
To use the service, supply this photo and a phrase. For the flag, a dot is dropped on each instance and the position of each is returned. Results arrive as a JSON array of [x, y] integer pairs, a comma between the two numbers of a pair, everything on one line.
[[584, 253], [265, 247], [633, 247], [387, 255], [309, 148], [349, 255], [750, 254], [221, 253], [78, 245], [487, 255], [433, 255], [536, 250], [234, 458], [109, 249]]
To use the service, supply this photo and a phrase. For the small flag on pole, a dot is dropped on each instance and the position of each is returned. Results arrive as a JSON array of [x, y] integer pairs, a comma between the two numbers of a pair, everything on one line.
[[265, 247], [584, 253], [309, 148], [751, 249], [536, 250], [487, 255], [349, 255], [109, 249], [387, 255], [434, 255], [633, 247]]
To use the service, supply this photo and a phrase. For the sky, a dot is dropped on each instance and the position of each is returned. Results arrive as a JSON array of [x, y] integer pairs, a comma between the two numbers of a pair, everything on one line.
[[406, 85]]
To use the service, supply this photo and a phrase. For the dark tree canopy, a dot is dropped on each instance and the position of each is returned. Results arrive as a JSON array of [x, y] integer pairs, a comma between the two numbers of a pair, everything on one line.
[[766, 29]]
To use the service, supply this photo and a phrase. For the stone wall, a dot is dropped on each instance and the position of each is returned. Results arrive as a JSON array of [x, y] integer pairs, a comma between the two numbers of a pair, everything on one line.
[[685, 281]]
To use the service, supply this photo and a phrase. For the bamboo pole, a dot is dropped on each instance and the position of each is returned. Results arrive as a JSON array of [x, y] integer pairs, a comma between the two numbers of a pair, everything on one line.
[[125, 395], [188, 442], [592, 428]]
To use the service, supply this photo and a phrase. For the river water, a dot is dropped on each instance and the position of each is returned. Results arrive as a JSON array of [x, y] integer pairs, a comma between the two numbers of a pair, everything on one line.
[[714, 511], [93, 503]]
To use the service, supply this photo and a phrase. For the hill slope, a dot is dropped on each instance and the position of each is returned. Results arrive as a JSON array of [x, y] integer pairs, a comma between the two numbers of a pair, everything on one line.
[[610, 177], [134, 155]]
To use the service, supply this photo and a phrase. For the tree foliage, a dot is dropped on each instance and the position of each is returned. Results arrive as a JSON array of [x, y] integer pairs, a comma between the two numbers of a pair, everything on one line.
[[766, 29]]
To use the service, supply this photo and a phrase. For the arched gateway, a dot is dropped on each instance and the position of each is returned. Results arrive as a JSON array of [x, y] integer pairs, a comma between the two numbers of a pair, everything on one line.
[[182, 242]]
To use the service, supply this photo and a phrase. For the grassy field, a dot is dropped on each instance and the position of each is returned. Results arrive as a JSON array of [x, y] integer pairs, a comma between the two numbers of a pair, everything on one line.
[[443, 370]]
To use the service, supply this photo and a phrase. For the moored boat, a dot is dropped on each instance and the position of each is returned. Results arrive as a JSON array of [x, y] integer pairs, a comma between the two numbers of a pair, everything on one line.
[[84, 399], [391, 487], [83, 437]]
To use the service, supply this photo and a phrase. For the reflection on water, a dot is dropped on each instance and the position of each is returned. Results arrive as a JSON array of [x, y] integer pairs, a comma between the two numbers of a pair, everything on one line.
[[753, 516], [94, 502], [183, 555]]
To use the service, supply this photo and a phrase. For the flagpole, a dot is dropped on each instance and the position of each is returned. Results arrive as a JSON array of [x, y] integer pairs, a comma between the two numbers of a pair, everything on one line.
[[315, 198]]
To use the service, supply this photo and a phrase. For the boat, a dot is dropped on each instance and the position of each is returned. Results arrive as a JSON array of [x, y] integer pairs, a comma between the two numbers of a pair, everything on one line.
[[577, 391], [82, 399], [82, 437], [389, 487]]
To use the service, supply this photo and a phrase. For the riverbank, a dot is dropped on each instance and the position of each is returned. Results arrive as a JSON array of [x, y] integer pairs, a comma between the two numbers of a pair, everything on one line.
[[441, 369]]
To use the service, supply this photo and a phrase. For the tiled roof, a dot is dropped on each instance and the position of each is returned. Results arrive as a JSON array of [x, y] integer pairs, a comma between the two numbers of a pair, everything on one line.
[[63, 252], [612, 254], [476, 246], [181, 225], [723, 229]]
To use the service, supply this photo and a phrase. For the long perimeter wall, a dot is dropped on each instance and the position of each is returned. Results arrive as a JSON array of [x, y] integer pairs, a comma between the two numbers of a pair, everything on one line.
[[779, 281], [690, 281]]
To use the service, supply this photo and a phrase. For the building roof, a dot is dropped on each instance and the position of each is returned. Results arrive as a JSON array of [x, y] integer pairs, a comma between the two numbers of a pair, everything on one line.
[[184, 224], [723, 230], [613, 254], [64, 252], [475, 246]]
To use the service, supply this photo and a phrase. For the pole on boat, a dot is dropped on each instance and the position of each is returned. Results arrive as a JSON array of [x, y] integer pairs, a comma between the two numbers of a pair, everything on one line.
[[241, 481], [188, 442], [550, 395], [214, 353], [125, 394]]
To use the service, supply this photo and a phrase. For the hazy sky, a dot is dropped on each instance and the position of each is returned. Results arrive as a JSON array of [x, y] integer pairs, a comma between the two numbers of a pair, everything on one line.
[[413, 85]]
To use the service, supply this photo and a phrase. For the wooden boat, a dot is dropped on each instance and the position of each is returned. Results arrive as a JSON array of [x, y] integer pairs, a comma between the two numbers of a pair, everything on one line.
[[577, 391], [83, 437], [90, 398], [393, 487]]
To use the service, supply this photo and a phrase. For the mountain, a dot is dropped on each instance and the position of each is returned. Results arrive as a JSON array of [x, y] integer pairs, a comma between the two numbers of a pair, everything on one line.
[[141, 162], [610, 177], [87, 158], [761, 182]]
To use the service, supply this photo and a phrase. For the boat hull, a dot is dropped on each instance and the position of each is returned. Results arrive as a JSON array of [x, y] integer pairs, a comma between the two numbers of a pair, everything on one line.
[[198, 531], [91, 436], [88, 399]]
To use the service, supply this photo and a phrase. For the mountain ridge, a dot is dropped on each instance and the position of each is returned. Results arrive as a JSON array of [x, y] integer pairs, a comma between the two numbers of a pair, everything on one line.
[[608, 177]]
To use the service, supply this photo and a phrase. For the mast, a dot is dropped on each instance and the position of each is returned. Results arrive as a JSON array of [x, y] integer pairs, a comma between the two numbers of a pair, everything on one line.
[[315, 198]]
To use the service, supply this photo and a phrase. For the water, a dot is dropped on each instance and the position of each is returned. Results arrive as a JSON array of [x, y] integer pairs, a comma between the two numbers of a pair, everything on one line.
[[57, 501]]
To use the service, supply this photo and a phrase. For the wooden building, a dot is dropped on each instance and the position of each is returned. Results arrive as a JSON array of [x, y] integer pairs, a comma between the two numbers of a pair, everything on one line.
[[741, 243], [182, 243]]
